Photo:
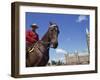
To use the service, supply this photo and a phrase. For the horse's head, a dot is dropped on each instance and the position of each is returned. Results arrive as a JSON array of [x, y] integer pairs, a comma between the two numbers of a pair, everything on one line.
[[53, 35]]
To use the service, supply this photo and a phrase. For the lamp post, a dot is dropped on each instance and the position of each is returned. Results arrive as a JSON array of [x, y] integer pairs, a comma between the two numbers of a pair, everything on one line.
[[88, 42]]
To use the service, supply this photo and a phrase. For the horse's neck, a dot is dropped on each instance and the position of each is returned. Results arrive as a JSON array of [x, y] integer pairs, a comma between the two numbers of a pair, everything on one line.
[[45, 38]]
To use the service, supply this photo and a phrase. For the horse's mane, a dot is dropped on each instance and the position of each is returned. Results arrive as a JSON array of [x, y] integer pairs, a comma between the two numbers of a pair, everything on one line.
[[45, 35]]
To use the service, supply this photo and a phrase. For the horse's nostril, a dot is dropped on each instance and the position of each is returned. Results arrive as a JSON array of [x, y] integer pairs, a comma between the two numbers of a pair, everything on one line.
[[55, 45]]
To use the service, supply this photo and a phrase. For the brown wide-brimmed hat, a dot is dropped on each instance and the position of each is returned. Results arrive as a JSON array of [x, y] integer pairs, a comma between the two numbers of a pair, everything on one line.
[[34, 26]]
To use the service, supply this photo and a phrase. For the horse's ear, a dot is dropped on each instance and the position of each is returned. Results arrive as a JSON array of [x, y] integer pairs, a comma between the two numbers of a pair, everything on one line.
[[50, 23]]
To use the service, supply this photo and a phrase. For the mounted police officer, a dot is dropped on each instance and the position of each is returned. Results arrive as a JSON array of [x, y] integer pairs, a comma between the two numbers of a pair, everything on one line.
[[31, 35]]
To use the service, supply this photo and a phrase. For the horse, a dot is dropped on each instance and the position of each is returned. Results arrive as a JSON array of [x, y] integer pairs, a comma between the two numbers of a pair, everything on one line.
[[38, 55]]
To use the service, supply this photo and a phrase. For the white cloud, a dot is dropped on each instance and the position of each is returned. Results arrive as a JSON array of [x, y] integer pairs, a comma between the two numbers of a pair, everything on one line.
[[81, 18], [61, 51]]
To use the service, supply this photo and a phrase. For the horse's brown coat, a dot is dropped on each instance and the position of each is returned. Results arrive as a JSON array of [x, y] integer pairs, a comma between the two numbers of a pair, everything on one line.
[[39, 54]]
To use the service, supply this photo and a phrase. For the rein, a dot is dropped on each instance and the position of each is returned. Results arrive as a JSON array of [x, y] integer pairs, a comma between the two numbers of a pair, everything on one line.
[[37, 43]]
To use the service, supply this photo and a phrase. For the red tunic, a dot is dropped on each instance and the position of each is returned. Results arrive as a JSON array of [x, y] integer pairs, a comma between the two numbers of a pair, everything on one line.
[[31, 37]]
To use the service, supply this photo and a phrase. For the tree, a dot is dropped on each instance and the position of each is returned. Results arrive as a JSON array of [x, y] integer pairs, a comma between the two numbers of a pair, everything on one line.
[[59, 62], [53, 62]]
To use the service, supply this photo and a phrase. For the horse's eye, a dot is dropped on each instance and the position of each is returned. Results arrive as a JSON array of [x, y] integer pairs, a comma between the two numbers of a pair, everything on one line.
[[51, 30]]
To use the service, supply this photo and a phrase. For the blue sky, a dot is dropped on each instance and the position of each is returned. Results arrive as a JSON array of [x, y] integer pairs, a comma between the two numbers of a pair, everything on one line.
[[72, 29]]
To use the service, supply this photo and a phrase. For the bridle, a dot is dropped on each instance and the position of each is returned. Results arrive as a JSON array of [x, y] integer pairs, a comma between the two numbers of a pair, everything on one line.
[[45, 43]]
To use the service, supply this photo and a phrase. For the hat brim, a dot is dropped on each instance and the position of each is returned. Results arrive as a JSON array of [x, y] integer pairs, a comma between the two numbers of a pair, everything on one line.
[[34, 26]]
